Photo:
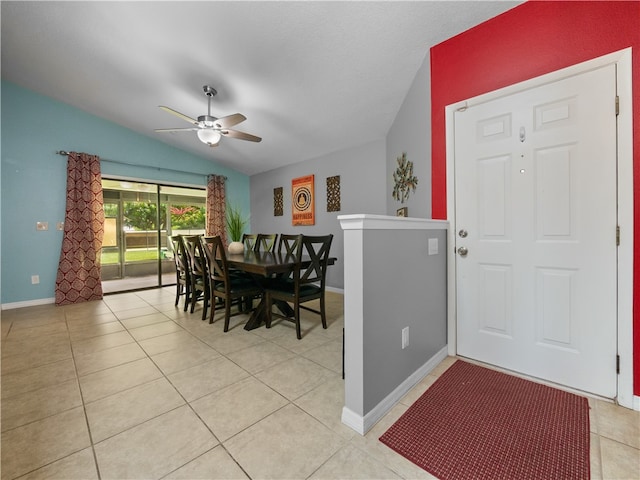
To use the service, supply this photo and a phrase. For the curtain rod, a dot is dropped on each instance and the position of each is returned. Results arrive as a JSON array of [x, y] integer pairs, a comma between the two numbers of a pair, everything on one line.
[[119, 162]]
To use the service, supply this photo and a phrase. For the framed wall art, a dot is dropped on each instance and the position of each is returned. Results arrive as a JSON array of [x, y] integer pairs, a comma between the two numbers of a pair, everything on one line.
[[278, 202], [333, 194], [302, 201]]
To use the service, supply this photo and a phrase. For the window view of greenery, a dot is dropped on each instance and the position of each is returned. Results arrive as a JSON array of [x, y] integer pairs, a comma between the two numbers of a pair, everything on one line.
[[187, 217], [136, 232]]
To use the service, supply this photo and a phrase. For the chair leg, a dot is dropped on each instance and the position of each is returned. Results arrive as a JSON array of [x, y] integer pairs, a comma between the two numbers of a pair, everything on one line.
[[178, 292], [267, 305], [213, 309], [322, 313], [205, 304], [227, 313], [247, 304], [194, 299], [187, 296], [297, 314]]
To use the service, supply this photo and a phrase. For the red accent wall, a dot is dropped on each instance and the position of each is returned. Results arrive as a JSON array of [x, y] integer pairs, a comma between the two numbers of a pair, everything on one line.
[[527, 41]]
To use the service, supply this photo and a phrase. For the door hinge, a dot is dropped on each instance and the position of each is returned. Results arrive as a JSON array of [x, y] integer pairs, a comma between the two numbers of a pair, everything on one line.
[[618, 364], [618, 235], [617, 105]]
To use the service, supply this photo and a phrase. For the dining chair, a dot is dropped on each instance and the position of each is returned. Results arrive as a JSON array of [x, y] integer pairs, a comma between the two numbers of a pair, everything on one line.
[[266, 242], [306, 284], [183, 276], [224, 286], [249, 240], [198, 272]]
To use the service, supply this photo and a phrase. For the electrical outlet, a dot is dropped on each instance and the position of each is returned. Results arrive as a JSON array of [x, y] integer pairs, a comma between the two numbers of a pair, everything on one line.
[[405, 337], [35, 279]]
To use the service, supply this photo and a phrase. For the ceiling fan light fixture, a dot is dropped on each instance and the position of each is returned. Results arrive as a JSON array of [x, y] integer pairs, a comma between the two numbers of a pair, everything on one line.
[[209, 128], [208, 136]]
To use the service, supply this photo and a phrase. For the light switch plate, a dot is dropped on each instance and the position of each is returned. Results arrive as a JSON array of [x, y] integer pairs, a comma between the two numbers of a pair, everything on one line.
[[42, 226], [60, 226], [433, 246]]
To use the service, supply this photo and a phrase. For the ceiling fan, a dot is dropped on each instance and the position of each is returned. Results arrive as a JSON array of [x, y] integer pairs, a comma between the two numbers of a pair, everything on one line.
[[210, 129]]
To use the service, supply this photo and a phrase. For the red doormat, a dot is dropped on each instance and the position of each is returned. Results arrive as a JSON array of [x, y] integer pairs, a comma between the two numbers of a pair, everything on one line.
[[476, 423]]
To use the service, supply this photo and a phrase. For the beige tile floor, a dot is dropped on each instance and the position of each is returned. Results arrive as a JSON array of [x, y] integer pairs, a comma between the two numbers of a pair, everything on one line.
[[132, 387]]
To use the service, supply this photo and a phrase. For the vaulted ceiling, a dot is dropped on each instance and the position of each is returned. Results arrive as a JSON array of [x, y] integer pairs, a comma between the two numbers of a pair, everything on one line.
[[311, 77]]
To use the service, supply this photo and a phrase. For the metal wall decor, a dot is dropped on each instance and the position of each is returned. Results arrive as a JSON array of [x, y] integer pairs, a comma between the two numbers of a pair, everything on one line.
[[333, 194], [278, 202], [302, 201], [404, 181]]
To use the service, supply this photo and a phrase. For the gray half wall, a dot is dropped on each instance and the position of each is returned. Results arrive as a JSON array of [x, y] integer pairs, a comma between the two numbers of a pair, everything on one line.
[[392, 281]]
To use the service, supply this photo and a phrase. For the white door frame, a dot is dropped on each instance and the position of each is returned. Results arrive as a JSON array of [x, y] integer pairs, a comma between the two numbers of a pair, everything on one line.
[[625, 206]]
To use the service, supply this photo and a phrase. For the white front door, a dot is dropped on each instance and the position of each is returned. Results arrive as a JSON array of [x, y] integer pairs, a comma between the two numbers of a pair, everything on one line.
[[535, 211]]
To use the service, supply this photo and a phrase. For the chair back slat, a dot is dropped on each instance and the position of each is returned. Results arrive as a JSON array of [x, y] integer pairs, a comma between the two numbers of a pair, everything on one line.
[[249, 240], [289, 244], [216, 259], [179, 253], [266, 242], [195, 256], [317, 248]]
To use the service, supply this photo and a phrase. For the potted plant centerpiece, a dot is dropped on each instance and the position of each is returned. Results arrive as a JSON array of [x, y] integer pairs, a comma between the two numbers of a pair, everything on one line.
[[235, 225]]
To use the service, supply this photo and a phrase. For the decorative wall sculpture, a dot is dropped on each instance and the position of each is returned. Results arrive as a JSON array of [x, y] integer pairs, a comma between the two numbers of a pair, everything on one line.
[[333, 194], [278, 202], [302, 201], [404, 181]]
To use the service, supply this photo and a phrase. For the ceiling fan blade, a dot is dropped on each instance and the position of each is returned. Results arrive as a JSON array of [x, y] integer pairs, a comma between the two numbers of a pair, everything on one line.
[[177, 129], [240, 135], [178, 114], [229, 120]]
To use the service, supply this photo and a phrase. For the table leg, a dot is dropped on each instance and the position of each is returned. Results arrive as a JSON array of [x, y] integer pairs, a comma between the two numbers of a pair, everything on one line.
[[284, 307], [257, 317]]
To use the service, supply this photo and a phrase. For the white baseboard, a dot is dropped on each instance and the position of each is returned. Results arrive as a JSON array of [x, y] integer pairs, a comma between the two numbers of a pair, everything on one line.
[[27, 303], [353, 420], [363, 424], [334, 289], [636, 403]]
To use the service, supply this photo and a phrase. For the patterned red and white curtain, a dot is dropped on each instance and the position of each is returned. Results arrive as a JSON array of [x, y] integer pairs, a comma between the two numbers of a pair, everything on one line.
[[216, 207], [78, 278]]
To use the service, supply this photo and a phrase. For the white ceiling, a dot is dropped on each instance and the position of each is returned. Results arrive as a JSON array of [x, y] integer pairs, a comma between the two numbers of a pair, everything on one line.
[[311, 77]]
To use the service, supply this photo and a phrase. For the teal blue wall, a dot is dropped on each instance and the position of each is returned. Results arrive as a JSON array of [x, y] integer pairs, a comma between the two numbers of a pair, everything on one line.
[[34, 127]]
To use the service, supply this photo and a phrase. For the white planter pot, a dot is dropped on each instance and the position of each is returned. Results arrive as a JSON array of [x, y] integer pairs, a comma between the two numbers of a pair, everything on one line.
[[236, 247]]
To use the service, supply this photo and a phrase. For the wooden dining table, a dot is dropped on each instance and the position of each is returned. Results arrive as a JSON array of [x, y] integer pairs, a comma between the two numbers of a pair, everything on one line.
[[262, 265]]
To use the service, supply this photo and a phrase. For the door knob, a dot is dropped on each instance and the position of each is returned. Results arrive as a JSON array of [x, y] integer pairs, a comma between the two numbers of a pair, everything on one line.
[[463, 251], [463, 233]]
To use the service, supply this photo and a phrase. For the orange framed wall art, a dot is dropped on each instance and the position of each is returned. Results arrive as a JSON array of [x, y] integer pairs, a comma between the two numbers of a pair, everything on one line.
[[302, 201]]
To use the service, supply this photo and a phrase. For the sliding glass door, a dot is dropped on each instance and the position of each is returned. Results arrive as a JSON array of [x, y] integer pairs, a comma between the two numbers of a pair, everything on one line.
[[139, 217]]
